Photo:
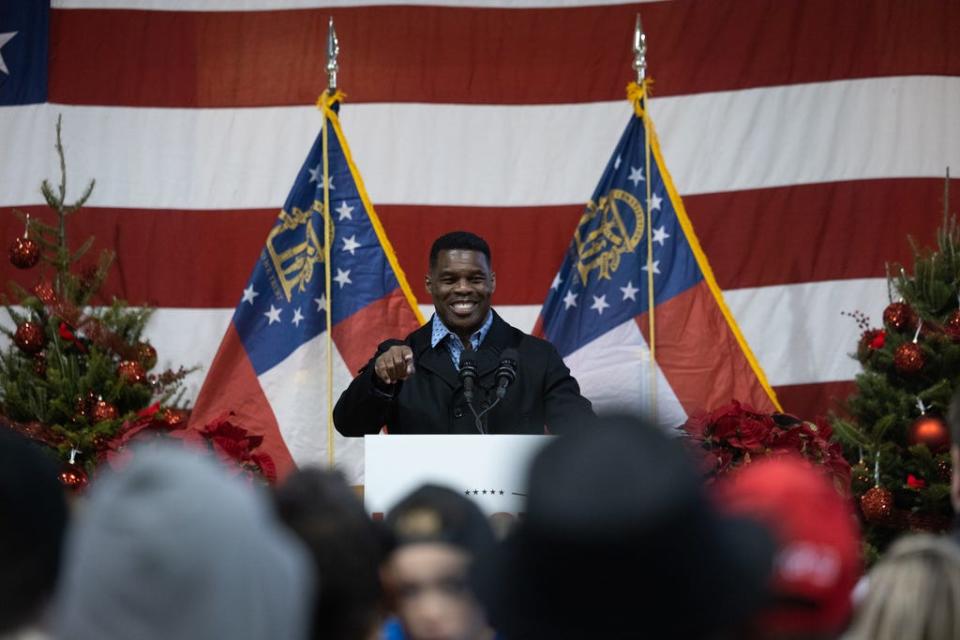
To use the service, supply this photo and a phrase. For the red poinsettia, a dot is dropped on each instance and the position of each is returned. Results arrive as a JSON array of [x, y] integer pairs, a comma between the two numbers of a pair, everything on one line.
[[736, 434], [236, 444]]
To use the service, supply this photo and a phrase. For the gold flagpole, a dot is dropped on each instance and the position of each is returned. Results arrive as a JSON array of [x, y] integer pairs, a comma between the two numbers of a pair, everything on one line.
[[333, 49], [640, 66]]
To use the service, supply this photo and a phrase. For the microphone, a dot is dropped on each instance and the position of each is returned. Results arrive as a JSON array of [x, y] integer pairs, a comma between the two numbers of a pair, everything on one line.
[[507, 371], [468, 375]]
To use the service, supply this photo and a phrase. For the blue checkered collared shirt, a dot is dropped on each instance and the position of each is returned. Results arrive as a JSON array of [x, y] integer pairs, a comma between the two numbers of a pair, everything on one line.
[[452, 341]]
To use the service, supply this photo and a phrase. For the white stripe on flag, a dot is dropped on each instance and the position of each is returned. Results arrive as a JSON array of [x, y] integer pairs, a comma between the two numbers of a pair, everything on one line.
[[614, 373], [297, 390], [526, 155]]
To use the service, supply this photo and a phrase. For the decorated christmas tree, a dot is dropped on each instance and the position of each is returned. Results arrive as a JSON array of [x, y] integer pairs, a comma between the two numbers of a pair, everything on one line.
[[894, 430], [76, 377]]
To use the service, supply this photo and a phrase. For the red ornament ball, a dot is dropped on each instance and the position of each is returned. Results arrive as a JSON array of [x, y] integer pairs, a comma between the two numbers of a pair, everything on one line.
[[24, 253], [951, 326], [877, 505], [30, 337], [908, 358], [900, 316], [131, 372], [147, 355], [930, 430], [73, 477], [103, 410]]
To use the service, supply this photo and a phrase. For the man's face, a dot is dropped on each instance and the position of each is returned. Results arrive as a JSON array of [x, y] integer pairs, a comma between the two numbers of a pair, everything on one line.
[[432, 598], [461, 284]]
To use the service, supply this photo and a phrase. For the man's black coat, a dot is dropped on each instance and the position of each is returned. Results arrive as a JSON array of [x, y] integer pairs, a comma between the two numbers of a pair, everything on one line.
[[544, 396]]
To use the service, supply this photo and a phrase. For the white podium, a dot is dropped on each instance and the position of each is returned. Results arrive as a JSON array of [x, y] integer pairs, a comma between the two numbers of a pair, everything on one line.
[[491, 469]]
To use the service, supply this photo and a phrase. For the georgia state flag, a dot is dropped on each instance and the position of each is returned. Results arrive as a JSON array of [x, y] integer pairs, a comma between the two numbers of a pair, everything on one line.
[[598, 310]]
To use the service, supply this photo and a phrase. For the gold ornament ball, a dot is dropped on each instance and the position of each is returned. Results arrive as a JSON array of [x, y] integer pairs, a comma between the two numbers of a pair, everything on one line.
[[147, 355], [931, 431]]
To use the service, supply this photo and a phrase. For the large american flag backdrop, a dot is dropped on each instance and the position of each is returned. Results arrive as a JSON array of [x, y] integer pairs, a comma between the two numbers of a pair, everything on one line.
[[807, 138]]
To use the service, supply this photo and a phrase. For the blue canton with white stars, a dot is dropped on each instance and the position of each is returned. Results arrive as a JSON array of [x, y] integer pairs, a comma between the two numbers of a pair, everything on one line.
[[272, 319], [580, 309], [440, 333], [24, 49]]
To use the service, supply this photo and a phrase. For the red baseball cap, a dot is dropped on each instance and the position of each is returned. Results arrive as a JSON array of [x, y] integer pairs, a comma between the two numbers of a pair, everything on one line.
[[818, 560]]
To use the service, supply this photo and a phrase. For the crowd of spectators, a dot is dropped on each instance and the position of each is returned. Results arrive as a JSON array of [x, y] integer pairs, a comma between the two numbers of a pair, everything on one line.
[[620, 538]]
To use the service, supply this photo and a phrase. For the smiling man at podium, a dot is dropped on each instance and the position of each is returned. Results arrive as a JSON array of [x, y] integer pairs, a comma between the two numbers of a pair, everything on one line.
[[466, 370]]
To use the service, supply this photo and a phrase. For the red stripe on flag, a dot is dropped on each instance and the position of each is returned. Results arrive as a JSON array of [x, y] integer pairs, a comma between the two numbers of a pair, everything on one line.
[[232, 385], [468, 55], [699, 354], [357, 337], [810, 400], [202, 259]]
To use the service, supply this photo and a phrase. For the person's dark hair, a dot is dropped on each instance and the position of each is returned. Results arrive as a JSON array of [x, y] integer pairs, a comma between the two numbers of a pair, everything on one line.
[[458, 240], [347, 549], [953, 418], [622, 503], [33, 519], [437, 514]]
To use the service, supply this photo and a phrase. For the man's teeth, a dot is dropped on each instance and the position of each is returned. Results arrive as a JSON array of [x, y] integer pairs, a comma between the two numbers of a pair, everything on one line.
[[463, 306]]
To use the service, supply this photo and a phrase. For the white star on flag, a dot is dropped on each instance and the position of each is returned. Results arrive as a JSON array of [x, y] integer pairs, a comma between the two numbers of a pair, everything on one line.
[[350, 244], [314, 174], [660, 235], [297, 317], [600, 303], [328, 183], [656, 267], [569, 300], [655, 201], [249, 294], [629, 291], [345, 211], [273, 315], [636, 176], [556, 281], [4, 39], [343, 277], [321, 302]]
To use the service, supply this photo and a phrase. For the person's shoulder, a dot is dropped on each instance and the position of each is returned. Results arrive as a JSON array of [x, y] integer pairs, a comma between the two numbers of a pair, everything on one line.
[[419, 335]]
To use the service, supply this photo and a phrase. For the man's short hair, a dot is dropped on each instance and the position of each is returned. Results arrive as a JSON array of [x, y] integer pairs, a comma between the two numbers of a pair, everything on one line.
[[458, 240]]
